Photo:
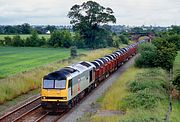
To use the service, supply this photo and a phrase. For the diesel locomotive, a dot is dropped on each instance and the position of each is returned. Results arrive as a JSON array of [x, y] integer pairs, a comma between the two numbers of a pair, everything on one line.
[[63, 88]]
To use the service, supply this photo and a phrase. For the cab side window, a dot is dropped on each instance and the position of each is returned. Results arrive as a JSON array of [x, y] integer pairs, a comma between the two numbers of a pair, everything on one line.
[[90, 73], [70, 83]]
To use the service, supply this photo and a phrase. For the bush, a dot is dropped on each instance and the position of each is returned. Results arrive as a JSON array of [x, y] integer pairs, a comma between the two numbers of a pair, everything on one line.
[[61, 39], [166, 53], [73, 51], [143, 118], [17, 41], [7, 41], [176, 82], [147, 55], [123, 39], [174, 39], [141, 99]]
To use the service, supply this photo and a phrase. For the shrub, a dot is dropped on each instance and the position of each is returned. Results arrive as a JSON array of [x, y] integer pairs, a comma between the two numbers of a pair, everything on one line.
[[147, 55], [176, 82], [141, 99], [142, 118], [73, 51], [123, 39], [7, 41], [61, 39], [17, 41]]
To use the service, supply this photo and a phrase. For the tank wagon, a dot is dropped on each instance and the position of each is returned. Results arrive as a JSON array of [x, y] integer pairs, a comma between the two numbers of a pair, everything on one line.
[[63, 88]]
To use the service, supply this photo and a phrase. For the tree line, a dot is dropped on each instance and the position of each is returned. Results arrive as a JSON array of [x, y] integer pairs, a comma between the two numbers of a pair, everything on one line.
[[26, 29], [64, 38]]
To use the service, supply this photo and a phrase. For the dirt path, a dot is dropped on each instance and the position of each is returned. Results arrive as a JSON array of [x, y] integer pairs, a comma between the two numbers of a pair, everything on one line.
[[86, 104]]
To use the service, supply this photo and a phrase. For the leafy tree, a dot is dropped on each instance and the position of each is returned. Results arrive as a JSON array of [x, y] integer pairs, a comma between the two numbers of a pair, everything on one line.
[[17, 41], [10, 29], [123, 39], [25, 28], [78, 41], [86, 18], [61, 39], [166, 53], [174, 39], [34, 38], [116, 41], [7, 41], [174, 30], [147, 55]]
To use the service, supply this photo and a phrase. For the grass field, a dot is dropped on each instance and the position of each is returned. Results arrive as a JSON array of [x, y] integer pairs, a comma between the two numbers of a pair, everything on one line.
[[24, 36], [14, 60]]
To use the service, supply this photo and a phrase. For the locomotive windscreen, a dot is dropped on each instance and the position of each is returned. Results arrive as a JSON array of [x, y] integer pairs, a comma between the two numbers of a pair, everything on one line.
[[54, 84]]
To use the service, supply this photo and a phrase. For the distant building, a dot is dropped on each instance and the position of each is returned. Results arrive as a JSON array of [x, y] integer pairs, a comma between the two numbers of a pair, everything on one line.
[[48, 32]]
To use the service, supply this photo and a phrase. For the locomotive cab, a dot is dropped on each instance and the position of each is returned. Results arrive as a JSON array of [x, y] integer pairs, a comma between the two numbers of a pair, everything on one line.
[[54, 89]]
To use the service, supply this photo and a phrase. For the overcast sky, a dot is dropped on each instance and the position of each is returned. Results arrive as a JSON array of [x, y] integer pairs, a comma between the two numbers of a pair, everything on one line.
[[54, 12]]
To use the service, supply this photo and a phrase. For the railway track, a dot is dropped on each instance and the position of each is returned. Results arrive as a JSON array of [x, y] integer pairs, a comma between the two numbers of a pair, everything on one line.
[[22, 110]]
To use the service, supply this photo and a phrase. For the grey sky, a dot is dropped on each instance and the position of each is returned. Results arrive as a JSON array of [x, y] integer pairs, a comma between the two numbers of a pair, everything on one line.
[[127, 12]]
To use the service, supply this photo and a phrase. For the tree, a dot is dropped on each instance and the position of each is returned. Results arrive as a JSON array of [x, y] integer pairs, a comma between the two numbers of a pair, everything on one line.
[[61, 39], [7, 41], [86, 18], [17, 41], [166, 53], [116, 41], [26, 28], [174, 30], [174, 39], [34, 38], [123, 39], [147, 55], [78, 41]]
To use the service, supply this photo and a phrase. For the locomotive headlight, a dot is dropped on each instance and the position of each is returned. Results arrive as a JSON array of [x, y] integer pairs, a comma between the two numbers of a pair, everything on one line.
[[64, 98], [43, 97]]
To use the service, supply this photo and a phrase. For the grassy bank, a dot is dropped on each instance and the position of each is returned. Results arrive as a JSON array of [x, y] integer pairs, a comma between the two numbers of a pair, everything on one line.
[[141, 94], [14, 60], [11, 87]]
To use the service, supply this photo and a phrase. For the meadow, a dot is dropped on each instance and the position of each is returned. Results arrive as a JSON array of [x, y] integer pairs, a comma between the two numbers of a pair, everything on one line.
[[15, 60], [24, 36], [21, 83]]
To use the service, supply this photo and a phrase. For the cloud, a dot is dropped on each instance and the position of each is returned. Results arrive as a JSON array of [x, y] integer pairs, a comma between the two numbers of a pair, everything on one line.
[[128, 12]]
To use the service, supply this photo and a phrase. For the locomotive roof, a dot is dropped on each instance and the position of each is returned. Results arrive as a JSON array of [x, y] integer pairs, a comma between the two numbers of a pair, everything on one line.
[[59, 74], [96, 64]]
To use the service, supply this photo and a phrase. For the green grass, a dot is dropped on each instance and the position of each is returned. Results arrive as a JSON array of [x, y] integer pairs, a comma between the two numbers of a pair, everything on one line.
[[115, 97], [14, 60], [21, 83], [24, 36]]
